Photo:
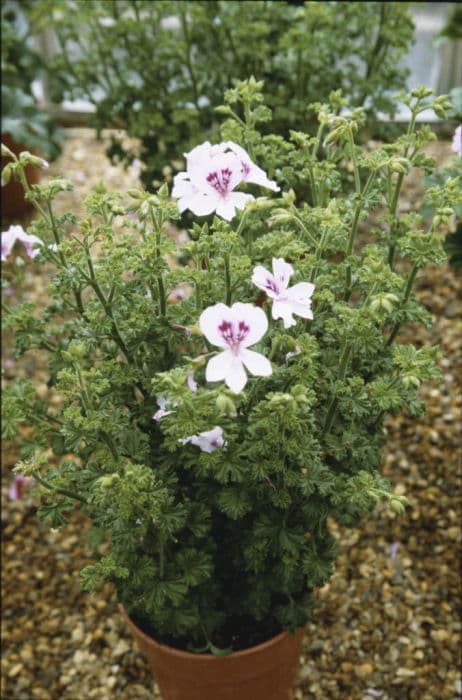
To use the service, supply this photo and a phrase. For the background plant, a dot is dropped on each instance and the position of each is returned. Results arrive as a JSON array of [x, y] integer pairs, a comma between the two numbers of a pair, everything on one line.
[[157, 69], [219, 550], [26, 123]]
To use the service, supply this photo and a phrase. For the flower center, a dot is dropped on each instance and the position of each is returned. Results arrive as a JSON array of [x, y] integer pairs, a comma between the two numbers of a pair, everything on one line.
[[271, 285], [233, 336], [219, 180]]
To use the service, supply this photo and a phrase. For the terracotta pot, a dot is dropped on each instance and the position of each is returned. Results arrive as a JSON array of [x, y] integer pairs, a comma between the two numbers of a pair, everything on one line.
[[263, 672], [13, 202]]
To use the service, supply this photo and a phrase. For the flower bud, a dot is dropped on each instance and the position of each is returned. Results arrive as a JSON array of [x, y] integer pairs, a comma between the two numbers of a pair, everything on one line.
[[400, 165], [108, 480], [398, 504], [6, 153], [410, 380], [7, 172]]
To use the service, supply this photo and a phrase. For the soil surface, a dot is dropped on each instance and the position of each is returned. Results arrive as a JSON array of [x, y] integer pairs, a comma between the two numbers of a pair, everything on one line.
[[387, 624]]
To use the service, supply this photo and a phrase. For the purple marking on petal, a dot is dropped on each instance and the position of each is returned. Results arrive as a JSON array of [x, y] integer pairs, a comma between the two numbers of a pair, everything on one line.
[[219, 180], [271, 285], [245, 168], [234, 336]]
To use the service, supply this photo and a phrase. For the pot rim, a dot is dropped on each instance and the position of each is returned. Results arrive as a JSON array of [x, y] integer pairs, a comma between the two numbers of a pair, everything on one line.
[[179, 653]]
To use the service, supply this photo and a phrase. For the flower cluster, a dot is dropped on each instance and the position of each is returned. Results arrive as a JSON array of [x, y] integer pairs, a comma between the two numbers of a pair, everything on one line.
[[211, 176]]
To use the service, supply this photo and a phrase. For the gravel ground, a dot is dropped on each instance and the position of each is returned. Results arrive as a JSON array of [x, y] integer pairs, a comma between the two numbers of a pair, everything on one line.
[[387, 624]]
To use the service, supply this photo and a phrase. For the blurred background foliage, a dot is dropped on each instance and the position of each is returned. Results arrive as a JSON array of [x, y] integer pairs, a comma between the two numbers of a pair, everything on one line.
[[22, 118], [157, 69]]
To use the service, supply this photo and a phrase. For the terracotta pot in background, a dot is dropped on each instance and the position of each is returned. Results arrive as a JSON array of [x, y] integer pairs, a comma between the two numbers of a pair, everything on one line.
[[13, 202], [263, 672]]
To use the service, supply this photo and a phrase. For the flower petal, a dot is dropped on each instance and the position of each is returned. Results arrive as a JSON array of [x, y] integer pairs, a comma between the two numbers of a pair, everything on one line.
[[255, 318], [251, 172], [236, 378], [301, 292], [219, 367], [210, 320], [264, 279], [256, 363], [283, 309], [282, 271], [226, 208]]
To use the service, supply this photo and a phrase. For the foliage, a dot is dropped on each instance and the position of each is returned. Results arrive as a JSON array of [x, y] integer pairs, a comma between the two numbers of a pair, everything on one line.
[[26, 123], [453, 241], [162, 66], [202, 542]]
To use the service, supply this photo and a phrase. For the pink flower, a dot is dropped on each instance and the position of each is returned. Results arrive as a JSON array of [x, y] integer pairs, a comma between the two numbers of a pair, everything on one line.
[[209, 441], [17, 486], [457, 141], [235, 328], [17, 233], [212, 173], [286, 300]]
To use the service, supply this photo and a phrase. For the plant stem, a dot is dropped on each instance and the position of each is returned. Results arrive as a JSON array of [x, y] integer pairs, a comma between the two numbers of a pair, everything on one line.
[[396, 193], [63, 492], [333, 403], [305, 230], [227, 280], [354, 229], [107, 309], [407, 293], [160, 282]]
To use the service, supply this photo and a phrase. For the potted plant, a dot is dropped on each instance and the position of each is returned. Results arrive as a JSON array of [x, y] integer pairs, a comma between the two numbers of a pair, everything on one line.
[[163, 66], [210, 440], [25, 127]]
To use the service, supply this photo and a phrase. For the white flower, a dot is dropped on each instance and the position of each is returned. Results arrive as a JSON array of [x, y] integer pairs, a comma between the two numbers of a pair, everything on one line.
[[234, 328], [286, 300], [208, 183], [162, 402], [212, 174], [17, 233], [457, 141], [209, 441], [250, 171]]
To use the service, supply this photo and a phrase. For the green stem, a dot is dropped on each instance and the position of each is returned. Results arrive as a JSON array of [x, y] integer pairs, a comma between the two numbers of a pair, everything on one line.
[[107, 309], [160, 282], [396, 193], [63, 492], [354, 161], [305, 230], [407, 293], [331, 411], [227, 280], [353, 232]]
